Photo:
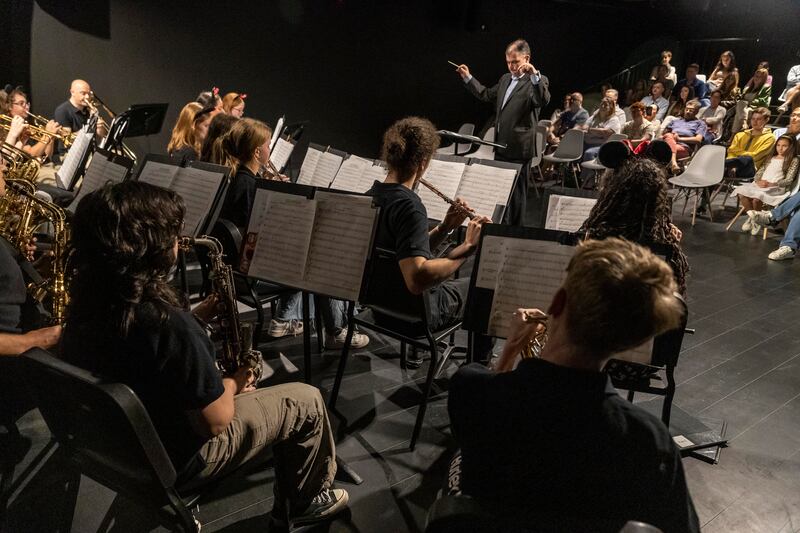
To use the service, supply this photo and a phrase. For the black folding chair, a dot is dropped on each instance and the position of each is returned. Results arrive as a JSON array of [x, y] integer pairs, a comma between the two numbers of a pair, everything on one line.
[[106, 434], [393, 311]]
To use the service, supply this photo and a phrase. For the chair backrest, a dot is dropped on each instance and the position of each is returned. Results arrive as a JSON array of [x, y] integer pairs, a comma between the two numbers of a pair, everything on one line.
[[489, 135], [386, 290], [667, 346], [707, 167], [627, 111], [571, 145], [616, 137], [484, 151], [540, 139], [102, 426]]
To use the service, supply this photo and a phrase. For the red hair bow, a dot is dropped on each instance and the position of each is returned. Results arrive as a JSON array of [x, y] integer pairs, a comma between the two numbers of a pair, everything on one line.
[[215, 90]]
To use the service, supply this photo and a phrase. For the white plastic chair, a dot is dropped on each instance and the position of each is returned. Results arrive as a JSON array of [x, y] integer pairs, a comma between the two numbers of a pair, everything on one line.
[[792, 192], [458, 149], [569, 152], [485, 151], [706, 169]]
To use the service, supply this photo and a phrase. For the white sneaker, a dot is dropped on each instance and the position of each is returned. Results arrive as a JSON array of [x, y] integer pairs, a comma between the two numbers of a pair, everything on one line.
[[283, 328], [323, 507], [763, 218], [784, 252], [748, 225], [336, 340], [755, 229]]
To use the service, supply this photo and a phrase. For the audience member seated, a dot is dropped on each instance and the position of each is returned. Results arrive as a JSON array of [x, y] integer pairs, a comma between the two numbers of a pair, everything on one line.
[[600, 126], [792, 88], [592, 100], [794, 126], [638, 129], [750, 148], [685, 134], [791, 238], [713, 115], [698, 86], [552, 438], [772, 182], [756, 93], [666, 57], [636, 93], [661, 75], [618, 111], [573, 115], [725, 78], [656, 97], [128, 324], [651, 114], [765, 65], [686, 94], [408, 146]]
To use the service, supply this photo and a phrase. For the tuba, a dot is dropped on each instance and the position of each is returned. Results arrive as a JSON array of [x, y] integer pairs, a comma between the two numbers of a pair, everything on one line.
[[236, 340]]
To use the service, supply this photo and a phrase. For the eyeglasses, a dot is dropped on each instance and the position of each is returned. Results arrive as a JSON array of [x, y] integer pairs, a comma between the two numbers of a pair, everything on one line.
[[21, 104]]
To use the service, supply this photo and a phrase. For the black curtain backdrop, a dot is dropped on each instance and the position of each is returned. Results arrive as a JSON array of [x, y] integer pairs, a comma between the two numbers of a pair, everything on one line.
[[353, 67]]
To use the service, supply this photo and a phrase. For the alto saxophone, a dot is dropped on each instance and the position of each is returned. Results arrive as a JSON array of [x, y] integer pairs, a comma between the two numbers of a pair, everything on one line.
[[236, 340]]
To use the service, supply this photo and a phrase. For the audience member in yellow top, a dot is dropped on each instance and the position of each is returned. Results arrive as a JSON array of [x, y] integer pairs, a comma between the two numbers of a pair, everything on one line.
[[750, 148]]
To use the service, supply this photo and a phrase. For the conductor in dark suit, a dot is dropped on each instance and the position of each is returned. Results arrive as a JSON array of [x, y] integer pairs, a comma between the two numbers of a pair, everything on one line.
[[518, 98]]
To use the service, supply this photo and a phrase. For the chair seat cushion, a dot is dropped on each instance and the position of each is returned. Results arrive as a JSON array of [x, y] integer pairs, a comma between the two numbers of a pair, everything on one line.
[[554, 159], [413, 330]]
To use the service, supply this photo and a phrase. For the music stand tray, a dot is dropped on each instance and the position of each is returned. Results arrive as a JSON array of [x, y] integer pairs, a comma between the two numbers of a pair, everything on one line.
[[145, 119]]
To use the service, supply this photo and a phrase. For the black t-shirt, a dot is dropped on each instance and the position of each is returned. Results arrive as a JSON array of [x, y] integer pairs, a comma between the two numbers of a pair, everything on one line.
[[553, 441], [187, 153], [69, 116], [170, 366], [12, 291], [403, 225], [239, 198]]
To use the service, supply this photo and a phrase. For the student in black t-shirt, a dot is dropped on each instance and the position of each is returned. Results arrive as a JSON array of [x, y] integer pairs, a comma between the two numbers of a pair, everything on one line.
[[408, 146], [551, 442], [75, 113], [128, 324]]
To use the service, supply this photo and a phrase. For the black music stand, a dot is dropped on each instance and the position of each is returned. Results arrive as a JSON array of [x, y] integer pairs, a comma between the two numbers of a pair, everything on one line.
[[467, 139], [145, 119]]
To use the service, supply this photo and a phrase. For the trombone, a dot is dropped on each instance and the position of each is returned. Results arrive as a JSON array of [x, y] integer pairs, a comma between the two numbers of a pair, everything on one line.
[[92, 102], [38, 134]]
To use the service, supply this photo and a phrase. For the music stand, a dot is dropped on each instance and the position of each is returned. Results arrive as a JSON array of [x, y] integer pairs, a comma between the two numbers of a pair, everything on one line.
[[467, 139], [145, 119]]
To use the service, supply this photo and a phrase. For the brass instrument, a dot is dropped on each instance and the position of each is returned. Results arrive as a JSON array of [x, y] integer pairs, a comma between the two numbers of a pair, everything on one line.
[[533, 348], [20, 165], [236, 340], [41, 122], [26, 212], [92, 102], [469, 214], [38, 134], [269, 172]]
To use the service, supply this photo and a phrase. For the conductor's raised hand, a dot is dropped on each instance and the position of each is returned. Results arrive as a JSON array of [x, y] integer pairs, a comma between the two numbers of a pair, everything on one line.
[[456, 214], [527, 68], [463, 71]]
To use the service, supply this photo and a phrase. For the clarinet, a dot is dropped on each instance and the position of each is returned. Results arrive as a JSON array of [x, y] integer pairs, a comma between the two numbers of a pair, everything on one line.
[[447, 199], [236, 339]]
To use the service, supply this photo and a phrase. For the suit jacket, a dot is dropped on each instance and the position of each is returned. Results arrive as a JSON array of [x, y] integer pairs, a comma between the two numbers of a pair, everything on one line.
[[516, 121]]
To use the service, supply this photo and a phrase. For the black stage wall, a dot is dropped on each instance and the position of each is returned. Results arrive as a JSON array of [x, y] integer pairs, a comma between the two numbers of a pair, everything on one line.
[[353, 67]]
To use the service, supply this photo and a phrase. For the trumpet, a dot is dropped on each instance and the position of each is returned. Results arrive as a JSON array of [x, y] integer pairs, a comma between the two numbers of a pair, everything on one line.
[[533, 348], [469, 214], [38, 134], [41, 122]]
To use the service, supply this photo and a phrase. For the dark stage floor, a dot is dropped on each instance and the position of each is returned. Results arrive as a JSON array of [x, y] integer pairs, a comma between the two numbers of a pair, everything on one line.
[[742, 365]]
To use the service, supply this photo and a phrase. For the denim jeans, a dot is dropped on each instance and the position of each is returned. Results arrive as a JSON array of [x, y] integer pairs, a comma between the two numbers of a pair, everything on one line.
[[787, 208], [333, 312]]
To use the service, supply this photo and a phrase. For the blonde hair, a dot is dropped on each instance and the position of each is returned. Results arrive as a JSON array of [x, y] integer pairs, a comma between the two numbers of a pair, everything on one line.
[[183, 132], [231, 100], [619, 294], [238, 146]]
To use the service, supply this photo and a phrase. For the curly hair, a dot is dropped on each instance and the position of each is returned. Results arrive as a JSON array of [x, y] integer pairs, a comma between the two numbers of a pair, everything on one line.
[[634, 205], [121, 251], [408, 144]]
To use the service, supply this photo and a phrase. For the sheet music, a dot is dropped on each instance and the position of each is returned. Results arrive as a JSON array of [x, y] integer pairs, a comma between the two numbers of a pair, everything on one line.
[[276, 134], [568, 213], [260, 204], [340, 244], [65, 176], [99, 172], [309, 166], [445, 176], [279, 155], [641, 354], [283, 238], [319, 168], [529, 274], [375, 172], [351, 175], [159, 174], [198, 188], [484, 187]]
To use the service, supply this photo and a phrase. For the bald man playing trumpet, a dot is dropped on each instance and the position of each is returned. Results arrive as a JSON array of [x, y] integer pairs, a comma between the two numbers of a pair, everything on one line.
[[75, 112]]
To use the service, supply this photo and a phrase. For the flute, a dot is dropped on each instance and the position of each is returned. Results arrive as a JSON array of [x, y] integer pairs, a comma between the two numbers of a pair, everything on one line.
[[447, 199]]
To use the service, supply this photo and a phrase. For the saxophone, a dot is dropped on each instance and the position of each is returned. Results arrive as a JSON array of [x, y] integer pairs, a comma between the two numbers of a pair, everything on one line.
[[30, 213], [533, 348], [236, 340]]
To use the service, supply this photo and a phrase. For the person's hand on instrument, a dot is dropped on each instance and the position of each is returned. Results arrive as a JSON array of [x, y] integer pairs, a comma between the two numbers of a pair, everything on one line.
[[525, 324], [207, 309], [245, 380], [463, 71], [474, 231], [30, 248], [456, 215], [16, 130]]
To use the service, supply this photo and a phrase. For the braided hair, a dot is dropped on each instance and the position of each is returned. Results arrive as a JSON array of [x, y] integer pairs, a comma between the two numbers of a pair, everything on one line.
[[634, 205]]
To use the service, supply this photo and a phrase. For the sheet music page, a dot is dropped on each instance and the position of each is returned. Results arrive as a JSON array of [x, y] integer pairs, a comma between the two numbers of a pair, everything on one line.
[[279, 155], [66, 174], [484, 186], [282, 248], [99, 172], [568, 213], [445, 176], [641, 354], [530, 274], [276, 134], [309, 166], [350, 176], [339, 244], [374, 173], [198, 188], [327, 167], [160, 174], [260, 204], [491, 263]]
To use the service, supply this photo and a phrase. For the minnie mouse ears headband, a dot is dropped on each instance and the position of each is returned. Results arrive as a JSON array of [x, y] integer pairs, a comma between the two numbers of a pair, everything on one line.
[[614, 154]]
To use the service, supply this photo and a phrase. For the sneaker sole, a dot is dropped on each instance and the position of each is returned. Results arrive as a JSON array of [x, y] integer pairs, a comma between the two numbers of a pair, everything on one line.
[[329, 513]]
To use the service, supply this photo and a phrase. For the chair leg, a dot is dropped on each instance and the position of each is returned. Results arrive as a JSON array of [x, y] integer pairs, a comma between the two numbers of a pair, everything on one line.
[[734, 219], [666, 408], [426, 392], [764, 238], [403, 355], [260, 319], [685, 202], [337, 382], [630, 395], [186, 520], [708, 198], [694, 209], [318, 326]]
